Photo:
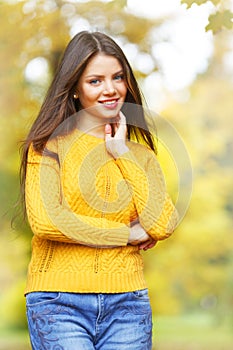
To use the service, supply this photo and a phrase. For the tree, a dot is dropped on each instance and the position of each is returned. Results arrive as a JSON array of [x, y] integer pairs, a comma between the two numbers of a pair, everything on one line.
[[220, 19]]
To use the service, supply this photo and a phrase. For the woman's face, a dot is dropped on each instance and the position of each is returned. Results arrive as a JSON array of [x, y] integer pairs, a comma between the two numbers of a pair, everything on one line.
[[102, 87]]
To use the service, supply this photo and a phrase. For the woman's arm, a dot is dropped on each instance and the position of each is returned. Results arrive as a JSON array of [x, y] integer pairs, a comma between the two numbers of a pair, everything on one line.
[[156, 212], [51, 218]]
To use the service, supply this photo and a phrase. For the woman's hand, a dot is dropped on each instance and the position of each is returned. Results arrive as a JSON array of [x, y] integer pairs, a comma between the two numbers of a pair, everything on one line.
[[150, 243], [116, 144], [138, 236]]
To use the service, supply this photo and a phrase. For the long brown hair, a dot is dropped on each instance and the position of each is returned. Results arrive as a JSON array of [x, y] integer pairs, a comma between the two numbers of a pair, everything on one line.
[[59, 103]]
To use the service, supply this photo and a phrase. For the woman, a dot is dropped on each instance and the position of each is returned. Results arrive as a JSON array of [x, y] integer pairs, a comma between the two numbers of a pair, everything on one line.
[[94, 200]]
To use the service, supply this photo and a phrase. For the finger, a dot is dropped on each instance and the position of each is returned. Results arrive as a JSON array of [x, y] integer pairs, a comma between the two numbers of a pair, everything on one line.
[[108, 129], [144, 244], [108, 132], [150, 246], [122, 118]]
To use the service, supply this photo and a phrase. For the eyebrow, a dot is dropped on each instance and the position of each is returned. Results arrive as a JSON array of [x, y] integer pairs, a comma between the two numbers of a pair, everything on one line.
[[100, 75]]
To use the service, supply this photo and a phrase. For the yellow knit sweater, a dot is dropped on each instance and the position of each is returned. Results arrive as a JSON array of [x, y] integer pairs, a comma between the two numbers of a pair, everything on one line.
[[80, 208]]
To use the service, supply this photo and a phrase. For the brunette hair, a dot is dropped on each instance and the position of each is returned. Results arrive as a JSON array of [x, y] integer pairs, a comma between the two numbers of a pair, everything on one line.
[[59, 103]]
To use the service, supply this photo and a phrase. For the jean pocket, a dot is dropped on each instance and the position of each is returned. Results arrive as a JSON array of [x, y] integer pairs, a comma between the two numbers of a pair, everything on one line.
[[41, 298], [141, 294]]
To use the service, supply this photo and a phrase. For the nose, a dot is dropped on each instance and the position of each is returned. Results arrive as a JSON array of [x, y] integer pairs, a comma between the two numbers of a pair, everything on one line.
[[109, 88]]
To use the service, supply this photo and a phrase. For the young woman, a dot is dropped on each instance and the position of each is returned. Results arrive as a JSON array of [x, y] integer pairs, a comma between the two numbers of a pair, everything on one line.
[[95, 197]]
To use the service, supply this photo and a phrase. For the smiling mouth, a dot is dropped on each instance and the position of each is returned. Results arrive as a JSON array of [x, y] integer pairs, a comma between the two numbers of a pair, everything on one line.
[[109, 102]]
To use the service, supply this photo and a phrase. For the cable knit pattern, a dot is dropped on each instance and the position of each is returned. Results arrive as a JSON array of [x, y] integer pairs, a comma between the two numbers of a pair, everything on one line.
[[80, 209]]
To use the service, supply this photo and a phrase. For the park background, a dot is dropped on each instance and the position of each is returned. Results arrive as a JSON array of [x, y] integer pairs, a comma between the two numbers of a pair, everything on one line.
[[182, 55]]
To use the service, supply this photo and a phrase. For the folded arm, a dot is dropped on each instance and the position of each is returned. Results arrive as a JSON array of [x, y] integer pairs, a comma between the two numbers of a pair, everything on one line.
[[156, 212], [50, 216]]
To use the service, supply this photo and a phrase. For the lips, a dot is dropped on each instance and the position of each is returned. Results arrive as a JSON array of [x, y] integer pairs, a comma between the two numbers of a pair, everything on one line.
[[111, 104]]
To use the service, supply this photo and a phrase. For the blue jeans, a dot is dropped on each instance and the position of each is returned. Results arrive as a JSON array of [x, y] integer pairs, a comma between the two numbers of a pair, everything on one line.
[[72, 321]]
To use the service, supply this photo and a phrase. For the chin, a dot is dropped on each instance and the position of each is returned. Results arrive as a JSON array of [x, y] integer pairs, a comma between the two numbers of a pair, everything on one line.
[[103, 113], [110, 112]]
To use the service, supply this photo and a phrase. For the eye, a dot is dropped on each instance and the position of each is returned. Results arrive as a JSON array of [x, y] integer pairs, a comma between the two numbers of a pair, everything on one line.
[[94, 81], [119, 77]]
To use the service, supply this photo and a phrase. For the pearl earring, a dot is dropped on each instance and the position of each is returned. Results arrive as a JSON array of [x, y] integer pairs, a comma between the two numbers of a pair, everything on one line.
[[75, 96]]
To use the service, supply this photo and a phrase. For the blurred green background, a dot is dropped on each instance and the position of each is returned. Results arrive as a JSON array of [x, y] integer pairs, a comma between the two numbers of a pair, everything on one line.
[[182, 55]]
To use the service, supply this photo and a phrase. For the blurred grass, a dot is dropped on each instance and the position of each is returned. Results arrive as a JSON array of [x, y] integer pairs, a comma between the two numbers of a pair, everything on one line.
[[192, 332], [189, 332], [14, 339]]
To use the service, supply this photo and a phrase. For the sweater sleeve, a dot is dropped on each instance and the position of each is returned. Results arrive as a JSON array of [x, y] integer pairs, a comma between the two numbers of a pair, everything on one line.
[[51, 218], [156, 212]]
